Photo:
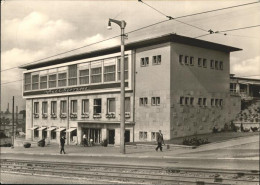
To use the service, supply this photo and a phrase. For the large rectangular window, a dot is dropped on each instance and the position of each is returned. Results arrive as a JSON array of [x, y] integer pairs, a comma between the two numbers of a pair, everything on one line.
[[36, 108], [54, 107], [62, 79], [74, 106], [43, 82], [111, 105], [63, 107], [109, 70], [52, 80], [85, 106], [73, 75], [96, 74], [35, 82], [84, 76], [97, 106], [27, 81], [44, 107], [119, 68]]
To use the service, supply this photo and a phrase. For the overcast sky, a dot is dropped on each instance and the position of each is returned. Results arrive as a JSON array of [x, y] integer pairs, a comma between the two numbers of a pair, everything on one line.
[[32, 30]]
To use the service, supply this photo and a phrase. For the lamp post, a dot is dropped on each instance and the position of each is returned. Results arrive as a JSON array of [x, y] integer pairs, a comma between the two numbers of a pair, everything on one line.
[[122, 25]]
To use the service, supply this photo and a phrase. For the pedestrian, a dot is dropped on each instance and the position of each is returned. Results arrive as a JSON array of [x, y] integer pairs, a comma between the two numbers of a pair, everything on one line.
[[62, 142], [85, 140], [159, 141]]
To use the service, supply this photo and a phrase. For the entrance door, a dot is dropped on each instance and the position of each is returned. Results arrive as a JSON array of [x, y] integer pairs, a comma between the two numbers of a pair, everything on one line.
[[127, 136], [111, 137]]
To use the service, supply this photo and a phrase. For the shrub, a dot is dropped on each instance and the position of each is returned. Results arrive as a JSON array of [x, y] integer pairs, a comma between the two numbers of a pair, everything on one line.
[[27, 145], [104, 143], [194, 141]]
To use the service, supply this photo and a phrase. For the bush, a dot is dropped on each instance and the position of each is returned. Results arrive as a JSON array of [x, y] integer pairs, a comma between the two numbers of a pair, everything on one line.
[[27, 145], [104, 143], [194, 141], [41, 143]]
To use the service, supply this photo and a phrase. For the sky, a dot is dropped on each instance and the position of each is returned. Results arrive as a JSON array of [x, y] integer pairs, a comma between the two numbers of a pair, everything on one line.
[[33, 30]]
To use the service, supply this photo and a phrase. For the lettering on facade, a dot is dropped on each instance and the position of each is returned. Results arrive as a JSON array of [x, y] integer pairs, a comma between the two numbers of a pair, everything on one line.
[[74, 89]]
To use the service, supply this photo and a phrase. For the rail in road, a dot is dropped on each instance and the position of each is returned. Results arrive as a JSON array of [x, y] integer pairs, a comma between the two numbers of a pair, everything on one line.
[[132, 173]]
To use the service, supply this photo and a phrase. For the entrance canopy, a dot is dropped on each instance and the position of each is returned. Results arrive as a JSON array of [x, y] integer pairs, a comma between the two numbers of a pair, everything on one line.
[[51, 128], [33, 128], [41, 128], [60, 129], [71, 129]]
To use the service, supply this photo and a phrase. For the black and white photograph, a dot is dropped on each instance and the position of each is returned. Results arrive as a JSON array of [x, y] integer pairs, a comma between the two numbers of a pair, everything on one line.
[[130, 92]]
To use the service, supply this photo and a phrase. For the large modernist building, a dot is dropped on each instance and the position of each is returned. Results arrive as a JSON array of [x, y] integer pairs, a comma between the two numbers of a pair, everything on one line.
[[176, 84]]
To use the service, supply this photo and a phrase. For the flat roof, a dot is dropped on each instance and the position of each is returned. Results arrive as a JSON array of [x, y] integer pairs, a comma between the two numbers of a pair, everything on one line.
[[134, 45]]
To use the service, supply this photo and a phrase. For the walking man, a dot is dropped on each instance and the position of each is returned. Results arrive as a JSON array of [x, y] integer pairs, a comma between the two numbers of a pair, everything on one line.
[[62, 142], [159, 141]]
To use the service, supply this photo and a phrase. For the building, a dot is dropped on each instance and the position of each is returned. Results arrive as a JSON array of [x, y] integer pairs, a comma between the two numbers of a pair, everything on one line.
[[177, 84]]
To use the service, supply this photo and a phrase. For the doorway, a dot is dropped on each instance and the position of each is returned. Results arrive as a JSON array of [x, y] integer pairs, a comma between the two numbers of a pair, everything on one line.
[[127, 136], [111, 137]]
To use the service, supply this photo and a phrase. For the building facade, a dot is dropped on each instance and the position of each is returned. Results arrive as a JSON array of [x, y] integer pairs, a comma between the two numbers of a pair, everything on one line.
[[176, 84]]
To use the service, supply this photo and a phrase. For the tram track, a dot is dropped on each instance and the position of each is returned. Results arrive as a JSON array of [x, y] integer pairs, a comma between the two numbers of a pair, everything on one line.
[[132, 173]]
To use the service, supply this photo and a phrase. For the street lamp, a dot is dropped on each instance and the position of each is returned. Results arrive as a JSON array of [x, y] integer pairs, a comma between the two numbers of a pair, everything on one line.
[[122, 25]]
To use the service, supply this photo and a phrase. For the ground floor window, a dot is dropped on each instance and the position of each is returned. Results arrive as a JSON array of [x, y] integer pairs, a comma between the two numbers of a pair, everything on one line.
[[142, 135], [93, 133], [36, 133], [44, 134], [53, 135]]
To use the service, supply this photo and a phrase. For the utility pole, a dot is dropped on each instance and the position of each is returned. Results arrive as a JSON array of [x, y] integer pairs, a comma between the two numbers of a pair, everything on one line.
[[13, 124], [16, 123]]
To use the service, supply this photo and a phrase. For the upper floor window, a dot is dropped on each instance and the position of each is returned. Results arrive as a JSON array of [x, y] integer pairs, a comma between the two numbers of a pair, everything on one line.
[[157, 60], [216, 64], [53, 107], [205, 101], [220, 102], [35, 82], [63, 107], [111, 105], [191, 61], [119, 68], [85, 106], [221, 65], [36, 108], [186, 60], [52, 80], [143, 101], [200, 101], [84, 76], [109, 73], [43, 82], [186, 100], [181, 59], [212, 64], [27, 81], [62, 79], [44, 107], [155, 101], [191, 100], [199, 62], [216, 102], [127, 104], [212, 102], [182, 100], [72, 75], [74, 106], [144, 61], [97, 106], [204, 62]]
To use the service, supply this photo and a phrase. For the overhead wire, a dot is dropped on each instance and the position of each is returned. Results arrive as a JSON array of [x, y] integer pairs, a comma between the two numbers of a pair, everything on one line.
[[219, 9]]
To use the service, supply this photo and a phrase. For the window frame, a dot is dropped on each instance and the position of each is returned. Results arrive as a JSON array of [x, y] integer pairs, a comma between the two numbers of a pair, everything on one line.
[[36, 109], [97, 105], [54, 81], [53, 107], [73, 107], [43, 107], [157, 59], [61, 107], [108, 105]]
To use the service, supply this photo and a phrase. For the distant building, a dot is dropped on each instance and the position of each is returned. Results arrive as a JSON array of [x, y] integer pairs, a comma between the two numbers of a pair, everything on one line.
[[176, 84]]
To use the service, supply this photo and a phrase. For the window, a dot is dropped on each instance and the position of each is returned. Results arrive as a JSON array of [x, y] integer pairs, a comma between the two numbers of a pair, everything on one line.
[[181, 59], [111, 105], [143, 101], [144, 61], [212, 102], [204, 62], [36, 108], [216, 64], [181, 100], [85, 106], [27, 81], [216, 102], [74, 107], [141, 135], [205, 101], [145, 135], [186, 60], [127, 104], [191, 61], [97, 106], [158, 101], [155, 101], [212, 64], [191, 101], [221, 65], [96, 75], [157, 60], [63, 107], [220, 102], [126, 68], [35, 82], [44, 107], [153, 135], [73, 75], [200, 101], [52, 81], [43, 82], [53, 107], [62, 79], [186, 100], [109, 73], [199, 62]]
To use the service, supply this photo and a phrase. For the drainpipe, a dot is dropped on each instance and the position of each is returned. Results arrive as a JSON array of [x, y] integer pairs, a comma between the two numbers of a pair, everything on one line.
[[67, 127]]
